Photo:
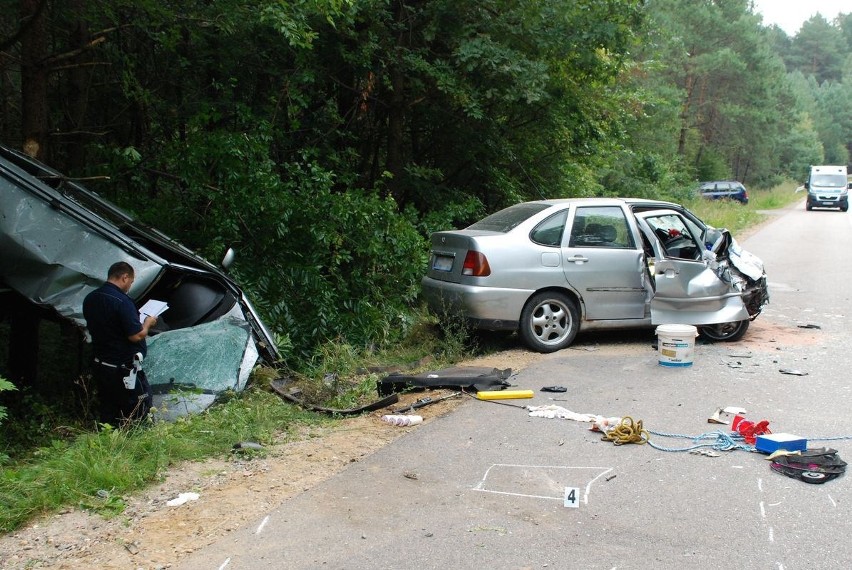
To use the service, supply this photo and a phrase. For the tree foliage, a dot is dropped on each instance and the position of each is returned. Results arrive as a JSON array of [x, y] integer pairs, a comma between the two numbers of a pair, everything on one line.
[[325, 139]]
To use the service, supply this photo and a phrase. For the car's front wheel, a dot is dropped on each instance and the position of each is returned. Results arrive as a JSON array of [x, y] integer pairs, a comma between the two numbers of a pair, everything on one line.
[[725, 332], [549, 322]]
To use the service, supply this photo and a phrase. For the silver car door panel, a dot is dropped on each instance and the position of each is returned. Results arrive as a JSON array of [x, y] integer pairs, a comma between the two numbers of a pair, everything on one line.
[[603, 264]]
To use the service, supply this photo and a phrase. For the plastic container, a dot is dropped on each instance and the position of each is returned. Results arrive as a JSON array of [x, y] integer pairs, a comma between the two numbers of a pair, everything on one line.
[[676, 344], [504, 394], [400, 420]]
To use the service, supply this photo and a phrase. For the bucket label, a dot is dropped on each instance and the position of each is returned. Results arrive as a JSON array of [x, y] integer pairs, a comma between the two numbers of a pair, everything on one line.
[[675, 350]]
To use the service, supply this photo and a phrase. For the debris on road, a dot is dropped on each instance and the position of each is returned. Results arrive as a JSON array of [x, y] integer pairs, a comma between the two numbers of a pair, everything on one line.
[[705, 452], [182, 498], [627, 431], [425, 401], [816, 465], [247, 446], [504, 394], [724, 415], [402, 420], [770, 443], [294, 395], [459, 377]]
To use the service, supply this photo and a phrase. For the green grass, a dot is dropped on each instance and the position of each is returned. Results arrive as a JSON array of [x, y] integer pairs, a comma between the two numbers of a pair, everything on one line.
[[95, 470]]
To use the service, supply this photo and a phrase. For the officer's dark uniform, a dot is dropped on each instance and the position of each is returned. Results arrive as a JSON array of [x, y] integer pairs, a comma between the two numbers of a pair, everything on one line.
[[112, 317]]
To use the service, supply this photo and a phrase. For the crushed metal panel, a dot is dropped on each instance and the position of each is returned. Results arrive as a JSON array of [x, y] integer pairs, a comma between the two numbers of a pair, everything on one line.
[[54, 260], [57, 243], [709, 292], [188, 368], [728, 310], [746, 262]]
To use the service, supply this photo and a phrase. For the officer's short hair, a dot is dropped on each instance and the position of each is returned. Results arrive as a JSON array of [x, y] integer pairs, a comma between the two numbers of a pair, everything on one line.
[[120, 268]]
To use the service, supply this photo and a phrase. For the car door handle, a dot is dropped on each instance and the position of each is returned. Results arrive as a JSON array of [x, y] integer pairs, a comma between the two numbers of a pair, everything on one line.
[[578, 259]]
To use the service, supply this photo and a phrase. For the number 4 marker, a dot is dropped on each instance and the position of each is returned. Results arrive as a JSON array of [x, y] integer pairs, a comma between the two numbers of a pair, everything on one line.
[[572, 497]]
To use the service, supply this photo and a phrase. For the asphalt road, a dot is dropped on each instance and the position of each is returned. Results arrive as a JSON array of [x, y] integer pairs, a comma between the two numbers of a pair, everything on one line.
[[484, 486]]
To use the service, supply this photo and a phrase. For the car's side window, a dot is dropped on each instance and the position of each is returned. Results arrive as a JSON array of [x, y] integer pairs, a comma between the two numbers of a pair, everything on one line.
[[549, 232], [601, 226]]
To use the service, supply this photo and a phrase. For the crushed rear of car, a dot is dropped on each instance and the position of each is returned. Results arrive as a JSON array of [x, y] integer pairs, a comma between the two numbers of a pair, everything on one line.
[[551, 268]]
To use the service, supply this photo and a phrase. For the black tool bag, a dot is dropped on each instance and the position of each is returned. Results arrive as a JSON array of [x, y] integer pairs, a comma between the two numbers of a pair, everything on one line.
[[816, 465]]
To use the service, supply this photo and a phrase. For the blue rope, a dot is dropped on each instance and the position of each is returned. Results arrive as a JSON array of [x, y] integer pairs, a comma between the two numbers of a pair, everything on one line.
[[720, 441]]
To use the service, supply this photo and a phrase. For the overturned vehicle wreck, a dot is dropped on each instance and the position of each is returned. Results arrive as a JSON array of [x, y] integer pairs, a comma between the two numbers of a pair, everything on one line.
[[57, 241]]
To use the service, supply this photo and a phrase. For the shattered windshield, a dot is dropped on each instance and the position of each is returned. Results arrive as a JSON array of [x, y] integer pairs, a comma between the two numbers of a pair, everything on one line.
[[207, 358]]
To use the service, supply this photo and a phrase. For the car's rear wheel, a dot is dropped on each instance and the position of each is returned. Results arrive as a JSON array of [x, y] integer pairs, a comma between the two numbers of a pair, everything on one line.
[[725, 332], [549, 322]]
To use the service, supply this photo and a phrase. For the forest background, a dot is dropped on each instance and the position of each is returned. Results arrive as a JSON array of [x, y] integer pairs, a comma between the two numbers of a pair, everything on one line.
[[324, 140]]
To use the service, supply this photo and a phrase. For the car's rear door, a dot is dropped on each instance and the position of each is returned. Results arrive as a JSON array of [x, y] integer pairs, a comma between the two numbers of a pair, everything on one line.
[[604, 265]]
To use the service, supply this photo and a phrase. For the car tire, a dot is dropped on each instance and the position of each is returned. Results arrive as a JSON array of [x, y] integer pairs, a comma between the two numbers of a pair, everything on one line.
[[808, 206], [549, 322], [725, 332]]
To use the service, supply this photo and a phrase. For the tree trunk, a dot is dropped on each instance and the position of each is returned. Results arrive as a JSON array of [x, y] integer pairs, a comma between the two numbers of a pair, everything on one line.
[[34, 88], [396, 116], [78, 80]]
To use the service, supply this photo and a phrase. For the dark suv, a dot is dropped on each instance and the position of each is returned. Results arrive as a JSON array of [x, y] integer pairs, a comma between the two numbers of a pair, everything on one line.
[[724, 189]]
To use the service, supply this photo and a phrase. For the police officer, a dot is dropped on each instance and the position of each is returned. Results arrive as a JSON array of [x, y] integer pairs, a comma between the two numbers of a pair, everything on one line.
[[118, 347]]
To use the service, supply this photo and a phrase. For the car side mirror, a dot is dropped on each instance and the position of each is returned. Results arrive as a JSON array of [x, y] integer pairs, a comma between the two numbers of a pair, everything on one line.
[[807, 185], [228, 260], [849, 186]]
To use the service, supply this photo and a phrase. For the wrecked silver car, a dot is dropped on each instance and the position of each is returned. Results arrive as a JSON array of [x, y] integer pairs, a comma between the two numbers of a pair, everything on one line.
[[551, 268], [57, 241]]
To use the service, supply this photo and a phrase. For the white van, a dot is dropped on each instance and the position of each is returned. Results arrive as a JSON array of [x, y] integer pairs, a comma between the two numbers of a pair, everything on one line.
[[828, 187]]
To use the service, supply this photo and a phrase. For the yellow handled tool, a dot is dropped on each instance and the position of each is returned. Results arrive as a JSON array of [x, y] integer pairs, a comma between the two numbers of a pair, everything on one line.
[[504, 394]]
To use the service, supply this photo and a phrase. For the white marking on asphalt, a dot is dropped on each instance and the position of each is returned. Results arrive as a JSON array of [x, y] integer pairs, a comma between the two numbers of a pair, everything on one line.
[[771, 535], [262, 524], [480, 486], [762, 510], [760, 485], [833, 504], [225, 563]]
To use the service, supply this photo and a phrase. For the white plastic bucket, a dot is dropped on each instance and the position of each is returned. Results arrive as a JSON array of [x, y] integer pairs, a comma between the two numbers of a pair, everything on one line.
[[676, 344]]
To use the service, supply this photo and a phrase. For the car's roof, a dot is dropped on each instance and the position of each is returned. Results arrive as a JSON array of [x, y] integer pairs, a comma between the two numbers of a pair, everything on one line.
[[605, 202]]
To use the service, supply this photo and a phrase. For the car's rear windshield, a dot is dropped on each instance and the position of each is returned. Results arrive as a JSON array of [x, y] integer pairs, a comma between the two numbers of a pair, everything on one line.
[[508, 219]]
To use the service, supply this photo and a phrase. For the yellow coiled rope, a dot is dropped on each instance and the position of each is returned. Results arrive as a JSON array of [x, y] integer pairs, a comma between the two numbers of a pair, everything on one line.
[[627, 431]]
